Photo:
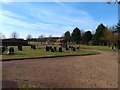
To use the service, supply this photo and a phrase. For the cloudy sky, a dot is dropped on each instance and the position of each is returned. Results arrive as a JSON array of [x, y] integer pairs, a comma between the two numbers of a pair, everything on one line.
[[54, 18]]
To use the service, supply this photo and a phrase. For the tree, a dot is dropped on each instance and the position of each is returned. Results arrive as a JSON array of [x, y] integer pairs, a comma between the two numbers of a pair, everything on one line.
[[29, 36], [2, 36], [76, 35], [97, 38], [87, 36], [41, 38], [14, 35], [118, 27], [108, 36], [67, 36]]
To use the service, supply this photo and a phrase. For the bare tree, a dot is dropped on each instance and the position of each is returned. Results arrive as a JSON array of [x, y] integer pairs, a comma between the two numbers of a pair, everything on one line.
[[41, 38], [14, 35], [29, 36], [2, 36]]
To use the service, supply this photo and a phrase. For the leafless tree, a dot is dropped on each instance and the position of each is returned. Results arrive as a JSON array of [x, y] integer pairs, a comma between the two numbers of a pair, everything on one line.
[[41, 38], [14, 35]]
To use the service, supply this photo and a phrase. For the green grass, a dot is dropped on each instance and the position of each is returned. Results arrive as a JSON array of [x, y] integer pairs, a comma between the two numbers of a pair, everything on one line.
[[102, 48], [26, 85], [41, 52]]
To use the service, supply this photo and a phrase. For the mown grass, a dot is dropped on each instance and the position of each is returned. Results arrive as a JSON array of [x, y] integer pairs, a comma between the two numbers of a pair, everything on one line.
[[102, 48], [41, 52]]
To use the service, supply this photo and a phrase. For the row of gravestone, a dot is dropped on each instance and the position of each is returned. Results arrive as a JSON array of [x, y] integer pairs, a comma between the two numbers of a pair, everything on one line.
[[72, 48], [10, 50], [53, 49]]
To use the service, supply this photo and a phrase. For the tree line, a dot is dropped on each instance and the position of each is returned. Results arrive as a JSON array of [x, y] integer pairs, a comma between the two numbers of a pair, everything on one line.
[[103, 36]]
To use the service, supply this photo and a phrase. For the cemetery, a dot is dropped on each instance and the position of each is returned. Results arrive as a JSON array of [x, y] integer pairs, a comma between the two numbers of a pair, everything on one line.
[[12, 52], [50, 45]]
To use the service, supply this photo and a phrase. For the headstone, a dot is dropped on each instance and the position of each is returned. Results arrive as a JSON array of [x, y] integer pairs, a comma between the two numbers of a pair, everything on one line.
[[3, 49], [60, 49], [20, 48], [73, 48], [55, 48], [50, 47], [34, 47], [78, 48], [47, 48], [11, 50], [66, 48], [52, 50]]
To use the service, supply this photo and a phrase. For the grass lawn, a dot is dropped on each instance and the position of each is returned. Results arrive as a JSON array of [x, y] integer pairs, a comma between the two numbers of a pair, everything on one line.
[[102, 48], [41, 52]]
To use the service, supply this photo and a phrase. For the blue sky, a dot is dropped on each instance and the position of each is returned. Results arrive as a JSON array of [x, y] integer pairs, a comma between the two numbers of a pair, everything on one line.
[[54, 18]]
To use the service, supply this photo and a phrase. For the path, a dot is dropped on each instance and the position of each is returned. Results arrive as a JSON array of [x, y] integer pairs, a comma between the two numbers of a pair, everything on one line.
[[95, 71]]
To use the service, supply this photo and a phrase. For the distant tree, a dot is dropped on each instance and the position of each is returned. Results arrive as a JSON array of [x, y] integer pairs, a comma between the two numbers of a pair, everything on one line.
[[76, 35], [49, 39], [97, 38], [67, 36], [2, 36], [87, 36], [28, 38], [108, 36], [41, 38], [118, 27], [14, 35]]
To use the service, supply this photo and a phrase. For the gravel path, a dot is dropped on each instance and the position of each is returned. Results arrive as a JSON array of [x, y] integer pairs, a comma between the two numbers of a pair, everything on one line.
[[95, 71]]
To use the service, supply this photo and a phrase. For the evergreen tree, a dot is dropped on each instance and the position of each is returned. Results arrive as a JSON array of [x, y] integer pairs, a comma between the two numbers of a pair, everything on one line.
[[76, 35]]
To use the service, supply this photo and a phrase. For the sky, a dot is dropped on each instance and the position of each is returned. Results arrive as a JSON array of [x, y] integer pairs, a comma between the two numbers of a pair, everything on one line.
[[54, 18]]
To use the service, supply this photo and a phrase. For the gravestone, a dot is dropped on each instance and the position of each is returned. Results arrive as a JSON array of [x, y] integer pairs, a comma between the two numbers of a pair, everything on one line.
[[20, 48], [60, 49], [78, 48], [11, 50], [52, 50], [34, 47], [73, 48], [50, 47], [55, 48], [47, 48], [3, 49]]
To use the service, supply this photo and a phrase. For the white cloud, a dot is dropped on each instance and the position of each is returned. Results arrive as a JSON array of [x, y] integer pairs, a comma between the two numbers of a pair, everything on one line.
[[11, 14], [48, 20]]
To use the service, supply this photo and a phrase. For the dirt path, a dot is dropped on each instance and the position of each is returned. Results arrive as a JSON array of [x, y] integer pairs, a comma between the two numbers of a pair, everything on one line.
[[95, 71]]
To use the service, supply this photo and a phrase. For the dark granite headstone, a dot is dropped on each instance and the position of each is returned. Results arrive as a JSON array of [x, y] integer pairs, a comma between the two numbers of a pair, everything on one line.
[[20, 48], [60, 49]]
